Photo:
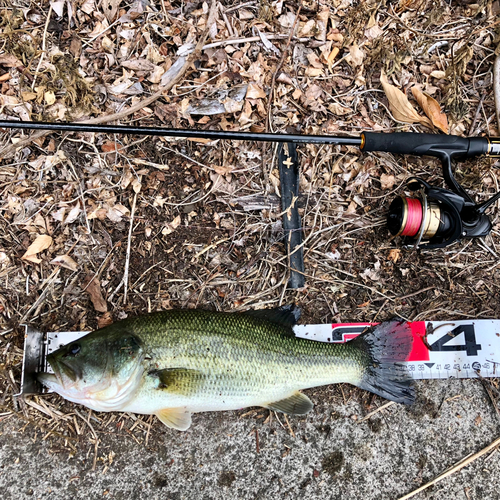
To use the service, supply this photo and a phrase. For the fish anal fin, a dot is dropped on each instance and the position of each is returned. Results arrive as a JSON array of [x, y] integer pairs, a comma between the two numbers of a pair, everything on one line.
[[181, 381], [296, 404], [175, 418]]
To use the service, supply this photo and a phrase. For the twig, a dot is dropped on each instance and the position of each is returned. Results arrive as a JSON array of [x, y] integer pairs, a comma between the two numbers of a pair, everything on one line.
[[44, 39], [10, 150], [127, 259], [271, 96], [226, 20], [458, 466], [239, 41], [278, 69], [380, 408], [476, 116], [490, 394], [496, 87]]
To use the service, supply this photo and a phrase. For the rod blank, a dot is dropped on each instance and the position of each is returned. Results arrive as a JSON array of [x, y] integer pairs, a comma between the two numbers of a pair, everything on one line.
[[184, 133]]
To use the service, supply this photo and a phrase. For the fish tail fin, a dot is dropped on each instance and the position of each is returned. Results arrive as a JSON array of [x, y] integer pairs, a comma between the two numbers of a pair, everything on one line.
[[386, 346]]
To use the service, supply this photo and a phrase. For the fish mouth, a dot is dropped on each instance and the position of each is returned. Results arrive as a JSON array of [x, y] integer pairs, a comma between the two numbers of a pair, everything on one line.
[[63, 374], [49, 380]]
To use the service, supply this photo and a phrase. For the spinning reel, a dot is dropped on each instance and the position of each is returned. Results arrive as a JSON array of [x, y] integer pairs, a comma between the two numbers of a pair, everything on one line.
[[439, 216]]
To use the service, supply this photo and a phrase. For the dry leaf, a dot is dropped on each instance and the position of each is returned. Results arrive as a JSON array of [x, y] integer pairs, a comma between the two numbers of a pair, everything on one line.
[[9, 61], [138, 65], [394, 254], [65, 261], [58, 7], [172, 226], [110, 8], [338, 109], [356, 56], [399, 104], [41, 243], [431, 108], [255, 91], [93, 288], [117, 212], [49, 98], [438, 74], [105, 320], [387, 181]]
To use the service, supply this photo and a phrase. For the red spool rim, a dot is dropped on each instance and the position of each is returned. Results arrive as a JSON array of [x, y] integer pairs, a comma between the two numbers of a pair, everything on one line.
[[414, 217]]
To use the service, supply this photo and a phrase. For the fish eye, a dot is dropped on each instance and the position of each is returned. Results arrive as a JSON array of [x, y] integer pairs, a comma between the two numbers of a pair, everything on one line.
[[74, 349]]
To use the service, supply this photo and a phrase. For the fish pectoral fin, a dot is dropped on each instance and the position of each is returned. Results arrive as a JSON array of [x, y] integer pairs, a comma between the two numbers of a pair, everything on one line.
[[296, 404], [175, 418], [182, 381]]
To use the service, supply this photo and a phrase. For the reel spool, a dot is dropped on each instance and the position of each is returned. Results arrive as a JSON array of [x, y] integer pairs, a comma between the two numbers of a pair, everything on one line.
[[436, 216]]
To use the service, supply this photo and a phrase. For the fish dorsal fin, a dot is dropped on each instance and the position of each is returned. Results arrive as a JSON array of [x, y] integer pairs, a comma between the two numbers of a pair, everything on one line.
[[285, 315], [296, 404], [175, 418], [182, 381]]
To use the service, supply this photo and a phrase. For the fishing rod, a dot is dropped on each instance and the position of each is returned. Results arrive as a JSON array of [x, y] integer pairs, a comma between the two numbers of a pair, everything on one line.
[[436, 215]]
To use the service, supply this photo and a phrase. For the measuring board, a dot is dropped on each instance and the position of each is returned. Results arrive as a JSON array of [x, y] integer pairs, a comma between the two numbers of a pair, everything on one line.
[[451, 349]]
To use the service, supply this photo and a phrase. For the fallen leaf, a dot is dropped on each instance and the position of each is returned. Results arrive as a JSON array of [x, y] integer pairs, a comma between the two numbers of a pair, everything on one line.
[[9, 61], [364, 304], [28, 96], [105, 320], [93, 287], [438, 74], [110, 8], [111, 147], [49, 98], [223, 170], [400, 106], [394, 254], [255, 91], [41, 243], [58, 7], [65, 261], [356, 56], [171, 226], [387, 181], [116, 213], [138, 65], [338, 109], [431, 108]]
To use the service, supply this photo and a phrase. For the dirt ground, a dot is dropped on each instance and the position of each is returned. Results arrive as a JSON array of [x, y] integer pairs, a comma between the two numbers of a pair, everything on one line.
[[96, 228]]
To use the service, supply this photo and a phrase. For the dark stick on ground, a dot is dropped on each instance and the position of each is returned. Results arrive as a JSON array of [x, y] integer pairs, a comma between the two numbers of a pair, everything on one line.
[[289, 182]]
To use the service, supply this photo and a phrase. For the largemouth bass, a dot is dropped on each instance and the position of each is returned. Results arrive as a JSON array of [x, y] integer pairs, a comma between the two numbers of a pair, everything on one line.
[[178, 362]]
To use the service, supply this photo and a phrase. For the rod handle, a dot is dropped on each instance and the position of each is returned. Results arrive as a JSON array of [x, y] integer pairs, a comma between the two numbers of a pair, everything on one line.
[[429, 144]]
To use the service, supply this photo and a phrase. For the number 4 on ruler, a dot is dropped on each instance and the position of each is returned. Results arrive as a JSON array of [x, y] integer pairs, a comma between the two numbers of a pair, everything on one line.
[[470, 341]]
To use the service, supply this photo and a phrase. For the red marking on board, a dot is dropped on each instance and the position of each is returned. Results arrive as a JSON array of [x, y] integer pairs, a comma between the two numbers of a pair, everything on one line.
[[419, 351]]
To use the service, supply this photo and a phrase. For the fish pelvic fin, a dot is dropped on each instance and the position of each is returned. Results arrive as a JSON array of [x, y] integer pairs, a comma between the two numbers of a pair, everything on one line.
[[296, 404], [181, 381], [387, 345], [175, 418]]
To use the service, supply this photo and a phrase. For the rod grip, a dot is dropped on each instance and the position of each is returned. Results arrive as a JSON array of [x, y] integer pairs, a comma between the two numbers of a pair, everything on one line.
[[424, 144]]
